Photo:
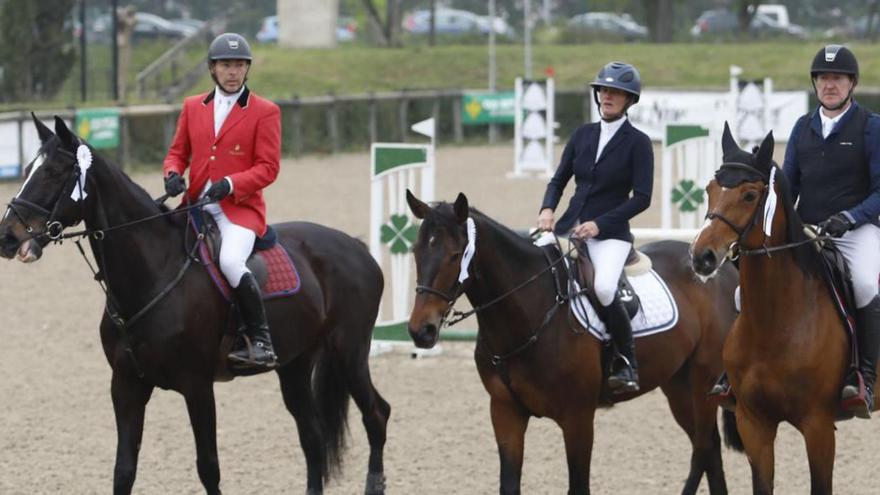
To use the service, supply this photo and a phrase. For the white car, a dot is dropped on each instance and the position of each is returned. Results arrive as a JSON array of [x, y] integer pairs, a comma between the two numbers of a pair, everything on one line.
[[453, 22]]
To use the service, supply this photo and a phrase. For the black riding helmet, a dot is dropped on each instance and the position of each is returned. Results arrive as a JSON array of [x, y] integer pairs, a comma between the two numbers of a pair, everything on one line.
[[618, 75], [836, 59], [229, 46]]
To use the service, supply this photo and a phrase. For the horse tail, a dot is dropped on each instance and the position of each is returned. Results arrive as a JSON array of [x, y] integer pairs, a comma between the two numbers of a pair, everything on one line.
[[731, 434], [332, 399]]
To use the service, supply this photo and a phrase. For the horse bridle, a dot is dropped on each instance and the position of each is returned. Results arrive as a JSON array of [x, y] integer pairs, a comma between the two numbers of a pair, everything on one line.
[[735, 250], [54, 228], [457, 289]]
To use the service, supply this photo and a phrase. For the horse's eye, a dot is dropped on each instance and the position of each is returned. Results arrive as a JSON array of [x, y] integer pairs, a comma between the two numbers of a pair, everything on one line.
[[454, 256], [750, 196]]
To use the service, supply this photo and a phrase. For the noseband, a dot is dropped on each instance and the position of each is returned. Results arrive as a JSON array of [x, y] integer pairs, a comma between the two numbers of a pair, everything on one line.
[[54, 228]]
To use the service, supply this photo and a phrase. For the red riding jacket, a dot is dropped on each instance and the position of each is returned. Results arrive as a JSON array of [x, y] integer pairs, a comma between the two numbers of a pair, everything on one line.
[[247, 150]]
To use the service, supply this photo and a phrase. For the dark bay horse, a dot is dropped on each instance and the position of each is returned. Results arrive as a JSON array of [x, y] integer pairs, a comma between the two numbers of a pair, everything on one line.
[[787, 352], [322, 333], [532, 363]]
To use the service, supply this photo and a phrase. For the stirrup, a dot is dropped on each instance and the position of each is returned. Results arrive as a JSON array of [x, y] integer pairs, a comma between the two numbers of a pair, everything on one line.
[[619, 382], [270, 360], [721, 389], [855, 398]]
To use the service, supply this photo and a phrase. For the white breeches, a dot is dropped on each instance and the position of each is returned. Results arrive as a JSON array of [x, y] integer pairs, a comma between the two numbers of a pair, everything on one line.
[[861, 248], [609, 256], [237, 245]]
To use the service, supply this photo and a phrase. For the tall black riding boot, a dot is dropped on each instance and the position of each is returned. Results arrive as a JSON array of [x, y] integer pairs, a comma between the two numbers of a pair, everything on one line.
[[625, 372], [259, 353], [868, 341]]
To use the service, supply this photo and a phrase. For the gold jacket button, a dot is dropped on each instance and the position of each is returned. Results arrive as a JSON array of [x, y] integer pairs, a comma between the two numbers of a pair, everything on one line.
[[213, 157]]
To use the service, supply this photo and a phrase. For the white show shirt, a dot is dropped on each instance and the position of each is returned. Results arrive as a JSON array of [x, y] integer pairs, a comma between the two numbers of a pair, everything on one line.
[[828, 123], [222, 106], [607, 130]]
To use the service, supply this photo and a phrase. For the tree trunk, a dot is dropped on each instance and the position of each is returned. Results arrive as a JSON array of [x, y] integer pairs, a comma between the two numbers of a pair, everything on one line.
[[744, 16], [871, 30], [378, 27], [660, 17], [432, 30]]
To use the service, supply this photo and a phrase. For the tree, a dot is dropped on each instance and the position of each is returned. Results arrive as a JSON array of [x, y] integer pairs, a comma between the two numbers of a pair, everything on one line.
[[386, 30], [37, 51], [659, 14], [745, 12]]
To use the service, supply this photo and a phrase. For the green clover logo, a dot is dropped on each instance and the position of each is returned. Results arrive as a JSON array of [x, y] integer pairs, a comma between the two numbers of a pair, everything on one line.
[[687, 195], [400, 233]]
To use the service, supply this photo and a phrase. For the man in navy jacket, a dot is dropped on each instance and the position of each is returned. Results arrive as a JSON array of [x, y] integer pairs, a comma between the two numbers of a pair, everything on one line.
[[833, 165]]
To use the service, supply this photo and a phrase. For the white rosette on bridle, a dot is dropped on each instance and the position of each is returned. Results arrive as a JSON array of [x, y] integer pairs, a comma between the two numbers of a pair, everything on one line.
[[84, 161]]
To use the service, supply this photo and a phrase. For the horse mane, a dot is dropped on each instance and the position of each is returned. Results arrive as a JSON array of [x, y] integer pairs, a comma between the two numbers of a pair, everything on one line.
[[138, 192], [806, 257], [443, 214]]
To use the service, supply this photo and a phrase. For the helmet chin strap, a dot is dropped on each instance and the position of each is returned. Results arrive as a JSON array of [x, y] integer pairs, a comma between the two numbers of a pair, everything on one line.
[[840, 105], [611, 118], [214, 78]]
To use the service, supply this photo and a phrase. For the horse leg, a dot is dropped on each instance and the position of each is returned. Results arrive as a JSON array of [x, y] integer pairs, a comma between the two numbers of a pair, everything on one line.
[[698, 420], [203, 419], [698, 417], [374, 412], [758, 435], [819, 437], [509, 423], [577, 431], [130, 397], [295, 379]]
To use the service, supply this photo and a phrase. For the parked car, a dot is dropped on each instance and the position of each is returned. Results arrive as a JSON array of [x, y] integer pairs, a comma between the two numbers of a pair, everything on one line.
[[721, 22], [609, 23], [453, 22], [147, 26], [346, 30]]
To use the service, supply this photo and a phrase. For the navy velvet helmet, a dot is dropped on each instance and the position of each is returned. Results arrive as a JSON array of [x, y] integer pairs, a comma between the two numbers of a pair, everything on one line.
[[618, 75]]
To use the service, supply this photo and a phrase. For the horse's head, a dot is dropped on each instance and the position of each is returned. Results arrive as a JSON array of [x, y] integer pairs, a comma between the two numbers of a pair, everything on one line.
[[438, 252], [45, 205], [737, 197]]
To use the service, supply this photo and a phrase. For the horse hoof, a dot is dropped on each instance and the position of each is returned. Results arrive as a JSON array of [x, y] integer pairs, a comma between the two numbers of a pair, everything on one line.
[[375, 484]]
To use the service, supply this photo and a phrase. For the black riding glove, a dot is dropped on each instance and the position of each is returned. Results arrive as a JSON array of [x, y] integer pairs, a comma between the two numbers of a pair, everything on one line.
[[218, 190], [836, 225], [174, 184]]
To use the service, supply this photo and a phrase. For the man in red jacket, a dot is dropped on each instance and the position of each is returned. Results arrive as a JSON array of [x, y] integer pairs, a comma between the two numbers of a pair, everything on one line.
[[230, 139]]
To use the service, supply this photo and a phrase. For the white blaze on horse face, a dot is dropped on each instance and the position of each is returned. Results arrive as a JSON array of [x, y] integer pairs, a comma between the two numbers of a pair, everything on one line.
[[37, 162]]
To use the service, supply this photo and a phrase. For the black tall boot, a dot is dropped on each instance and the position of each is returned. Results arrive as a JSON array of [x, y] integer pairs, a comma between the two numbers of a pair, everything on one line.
[[625, 371], [868, 341], [259, 353]]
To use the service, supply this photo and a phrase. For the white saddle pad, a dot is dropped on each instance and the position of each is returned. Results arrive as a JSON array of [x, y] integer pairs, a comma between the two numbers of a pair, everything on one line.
[[658, 311]]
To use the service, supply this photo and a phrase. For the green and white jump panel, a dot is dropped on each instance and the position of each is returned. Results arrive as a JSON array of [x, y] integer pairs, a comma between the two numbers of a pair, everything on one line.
[[394, 168], [691, 153]]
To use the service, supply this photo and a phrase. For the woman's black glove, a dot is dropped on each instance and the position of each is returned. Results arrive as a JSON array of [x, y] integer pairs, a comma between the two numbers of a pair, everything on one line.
[[174, 184], [218, 190], [836, 225]]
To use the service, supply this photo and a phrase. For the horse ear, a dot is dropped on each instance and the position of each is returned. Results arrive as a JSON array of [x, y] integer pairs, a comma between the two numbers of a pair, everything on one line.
[[44, 132], [418, 208], [728, 144], [63, 132], [764, 157], [461, 208]]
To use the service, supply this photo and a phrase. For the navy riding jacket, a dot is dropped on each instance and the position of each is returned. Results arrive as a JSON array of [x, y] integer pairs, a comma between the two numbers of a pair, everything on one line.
[[609, 191], [840, 173]]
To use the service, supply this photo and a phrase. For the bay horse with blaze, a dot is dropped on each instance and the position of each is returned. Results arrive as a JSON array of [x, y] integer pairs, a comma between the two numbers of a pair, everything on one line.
[[532, 363], [788, 351]]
